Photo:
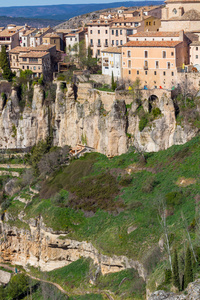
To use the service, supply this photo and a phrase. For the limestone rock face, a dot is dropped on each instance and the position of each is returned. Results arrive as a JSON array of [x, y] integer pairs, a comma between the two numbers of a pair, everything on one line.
[[100, 120], [41, 247]]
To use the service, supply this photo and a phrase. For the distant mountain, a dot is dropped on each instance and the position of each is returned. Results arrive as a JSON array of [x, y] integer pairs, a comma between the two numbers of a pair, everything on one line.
[[66, 11], [4, 21]]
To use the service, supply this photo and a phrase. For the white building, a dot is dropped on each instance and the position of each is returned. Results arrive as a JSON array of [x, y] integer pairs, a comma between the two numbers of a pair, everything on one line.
[[111, 62]]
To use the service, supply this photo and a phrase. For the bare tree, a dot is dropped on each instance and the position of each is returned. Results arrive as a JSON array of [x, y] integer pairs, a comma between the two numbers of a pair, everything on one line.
[[163, 222], [188, 234]]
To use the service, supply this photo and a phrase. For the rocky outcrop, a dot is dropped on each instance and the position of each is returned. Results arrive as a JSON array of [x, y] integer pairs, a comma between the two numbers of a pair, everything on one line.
[[99, 120], [192, 293], [41, 247]]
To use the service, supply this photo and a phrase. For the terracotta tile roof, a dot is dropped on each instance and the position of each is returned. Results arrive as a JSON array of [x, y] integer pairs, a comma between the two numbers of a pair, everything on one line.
[[34, 54], [43, 47], [195, 43], [42, 31], [51, 35], [29, 31], [127, 20], [102, 22], [7, 33], [164, 44], [156, 34], [112, 50], [19, 49]]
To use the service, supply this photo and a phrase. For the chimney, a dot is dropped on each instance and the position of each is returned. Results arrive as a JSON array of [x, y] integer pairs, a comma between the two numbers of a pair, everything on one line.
[[181, 35]]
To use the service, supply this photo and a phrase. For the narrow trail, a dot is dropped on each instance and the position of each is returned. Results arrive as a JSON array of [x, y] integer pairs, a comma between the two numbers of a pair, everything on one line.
[[106, 293]]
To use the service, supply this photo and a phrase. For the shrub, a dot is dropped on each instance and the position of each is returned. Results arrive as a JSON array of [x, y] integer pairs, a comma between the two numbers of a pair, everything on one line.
[[143, 123], [173, 199], [125, 180], [168, 276], [156, 112], [149, 184]]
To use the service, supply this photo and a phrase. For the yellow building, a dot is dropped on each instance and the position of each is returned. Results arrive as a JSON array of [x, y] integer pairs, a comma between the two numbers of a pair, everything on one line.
[[52, 39]]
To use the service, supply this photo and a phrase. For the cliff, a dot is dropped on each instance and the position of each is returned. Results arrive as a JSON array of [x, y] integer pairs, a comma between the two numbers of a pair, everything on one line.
[[102, 120]]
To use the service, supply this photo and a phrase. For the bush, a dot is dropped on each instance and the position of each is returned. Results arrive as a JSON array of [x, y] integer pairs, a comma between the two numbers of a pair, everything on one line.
[[149, 184], [17, 286], [156, 112], [125, 180], [173, 199], [143, 123]]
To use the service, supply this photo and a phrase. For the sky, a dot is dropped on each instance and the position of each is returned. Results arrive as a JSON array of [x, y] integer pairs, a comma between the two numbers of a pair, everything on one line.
[[7, 3]]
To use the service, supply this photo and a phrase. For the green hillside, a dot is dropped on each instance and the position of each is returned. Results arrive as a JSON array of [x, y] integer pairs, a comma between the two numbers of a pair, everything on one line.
[[117, 204]]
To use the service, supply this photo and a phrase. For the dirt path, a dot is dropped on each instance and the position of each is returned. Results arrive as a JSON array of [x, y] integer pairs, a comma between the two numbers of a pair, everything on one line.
[[106, 293], [50, 282], [14, 166]]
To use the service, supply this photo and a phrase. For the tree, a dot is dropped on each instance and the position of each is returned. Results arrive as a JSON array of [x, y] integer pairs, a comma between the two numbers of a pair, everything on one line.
[[188, 274], [113, 83], [175, 271], [4, 64], [135, 89], [163, 223]]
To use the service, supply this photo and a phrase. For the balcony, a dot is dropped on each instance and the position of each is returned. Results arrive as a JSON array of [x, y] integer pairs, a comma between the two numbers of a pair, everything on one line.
[[98, 45], [146, 68], [105, 45], [91, 45]]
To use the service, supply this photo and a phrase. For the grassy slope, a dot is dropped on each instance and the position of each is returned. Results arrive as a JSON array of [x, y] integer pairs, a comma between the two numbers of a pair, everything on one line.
[[107, 228]]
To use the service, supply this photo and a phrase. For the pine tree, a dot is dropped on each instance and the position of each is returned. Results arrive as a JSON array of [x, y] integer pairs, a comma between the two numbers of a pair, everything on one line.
[[175, 271], [188, 273], [113, 83], [4, 64]]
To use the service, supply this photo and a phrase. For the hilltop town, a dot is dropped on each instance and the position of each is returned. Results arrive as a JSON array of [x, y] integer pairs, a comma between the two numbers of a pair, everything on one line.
[[156, 44]]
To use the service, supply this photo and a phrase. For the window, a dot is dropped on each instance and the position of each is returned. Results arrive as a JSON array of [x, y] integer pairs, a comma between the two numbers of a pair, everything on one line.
[[106, 31], [157, 64], [129, 63], [90, 31], [136, 24], [24, 59], [99, 42], [145, 54], [22, 67], [168, 65], [164, 73], [146, 73], [121, 42], [91, 42], [33, 59], [34, 68], [113, 42], [197, 56], [172, 73], [129, 53], [106, 42], [154, 23], [98, 52], [196, 48], [129, 72], [98, 31], [116, 32], [164, 54], [155, 72], [145, 64], [172, 53], [138, 72], [112, 32], [117, 43], [174, 11], [120, 31]]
